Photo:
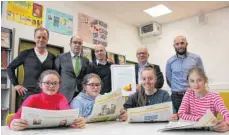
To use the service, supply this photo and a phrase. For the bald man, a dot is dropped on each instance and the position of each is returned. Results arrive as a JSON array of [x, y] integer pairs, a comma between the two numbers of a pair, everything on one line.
[[72, 67], [142, 56], [177, 68], [102, 67]]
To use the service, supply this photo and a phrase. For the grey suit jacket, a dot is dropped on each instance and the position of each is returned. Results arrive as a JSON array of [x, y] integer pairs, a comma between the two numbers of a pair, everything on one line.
[[70, 83]]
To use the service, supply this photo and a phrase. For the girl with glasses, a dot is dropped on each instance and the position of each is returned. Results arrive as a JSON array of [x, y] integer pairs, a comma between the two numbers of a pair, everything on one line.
[[86, 99], [49, 99]]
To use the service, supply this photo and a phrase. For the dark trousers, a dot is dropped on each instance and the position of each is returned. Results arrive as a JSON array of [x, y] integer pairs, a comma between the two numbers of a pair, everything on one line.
[[176, 100]]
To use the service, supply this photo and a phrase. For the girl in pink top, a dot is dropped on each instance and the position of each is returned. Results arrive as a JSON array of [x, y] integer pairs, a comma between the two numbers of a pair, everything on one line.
[[198, 99], [49, 99]]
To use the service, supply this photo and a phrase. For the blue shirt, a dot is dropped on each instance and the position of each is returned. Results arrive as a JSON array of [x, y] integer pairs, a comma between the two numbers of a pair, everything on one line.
[[177, 70]]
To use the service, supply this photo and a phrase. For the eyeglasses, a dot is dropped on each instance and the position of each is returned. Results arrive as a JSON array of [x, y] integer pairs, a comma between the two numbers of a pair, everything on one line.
[[93, 85], [48, 84], [76, 43], [141, 53], [179, 43]]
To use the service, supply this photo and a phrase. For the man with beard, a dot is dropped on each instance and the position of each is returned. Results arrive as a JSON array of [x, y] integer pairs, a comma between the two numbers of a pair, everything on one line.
[[177, 68], [72, 67]]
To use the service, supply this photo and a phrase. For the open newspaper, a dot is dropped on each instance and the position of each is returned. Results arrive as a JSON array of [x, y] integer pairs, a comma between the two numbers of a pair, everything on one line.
[[205, 122], [152, 113], [107, 107], [39, 118]]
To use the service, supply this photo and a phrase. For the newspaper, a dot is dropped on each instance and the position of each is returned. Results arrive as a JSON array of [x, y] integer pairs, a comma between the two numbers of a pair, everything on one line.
[[39, 118], [107, 107], [205, 122], [152, 113]]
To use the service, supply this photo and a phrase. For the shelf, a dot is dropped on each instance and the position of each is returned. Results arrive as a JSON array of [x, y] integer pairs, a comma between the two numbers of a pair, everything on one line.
[[4, 69], [5, 48], [5, 88]]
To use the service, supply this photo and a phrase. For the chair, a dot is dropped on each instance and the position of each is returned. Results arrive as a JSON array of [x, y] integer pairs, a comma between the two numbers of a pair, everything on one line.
[[225, 97], [8, 117]]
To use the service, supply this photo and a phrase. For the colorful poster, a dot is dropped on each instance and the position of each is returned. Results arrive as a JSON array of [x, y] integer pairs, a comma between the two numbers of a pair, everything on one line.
[[110, 57], [92, 30], [121, 59], [87, 53], [59, 22], [25, 12]]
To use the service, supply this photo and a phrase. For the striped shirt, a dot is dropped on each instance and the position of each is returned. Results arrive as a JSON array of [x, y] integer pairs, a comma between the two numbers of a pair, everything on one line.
[[193, 108]]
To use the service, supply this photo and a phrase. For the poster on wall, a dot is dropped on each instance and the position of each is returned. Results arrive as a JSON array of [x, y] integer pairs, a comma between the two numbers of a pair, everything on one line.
[[59, 22], [25, 12], [87, 53], [121, 59], [5, 37], [111, 57], [92, 30]]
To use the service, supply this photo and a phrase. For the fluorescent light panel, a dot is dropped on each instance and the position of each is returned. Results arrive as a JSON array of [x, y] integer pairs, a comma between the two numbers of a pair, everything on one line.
[[158, 10]]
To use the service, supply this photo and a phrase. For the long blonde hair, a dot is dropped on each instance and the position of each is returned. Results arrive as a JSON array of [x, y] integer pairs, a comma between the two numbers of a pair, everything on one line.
[[141, 95]]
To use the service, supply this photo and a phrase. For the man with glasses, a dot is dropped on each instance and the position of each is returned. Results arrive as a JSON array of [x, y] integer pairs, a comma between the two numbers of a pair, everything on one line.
[[177, 68], [34, 61], [101, 67], [142, 56], [72, 67]]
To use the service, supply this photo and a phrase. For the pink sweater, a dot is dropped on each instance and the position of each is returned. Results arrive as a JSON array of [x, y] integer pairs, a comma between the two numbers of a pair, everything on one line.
[[43, 101], [193, 108]]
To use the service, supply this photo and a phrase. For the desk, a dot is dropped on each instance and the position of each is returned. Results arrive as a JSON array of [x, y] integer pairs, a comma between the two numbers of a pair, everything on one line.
[[110, 128]]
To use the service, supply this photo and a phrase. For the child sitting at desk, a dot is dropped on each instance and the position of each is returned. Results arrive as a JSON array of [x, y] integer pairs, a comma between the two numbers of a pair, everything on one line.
[[49, 98], [198, 99], [86, 99], [148, 94]]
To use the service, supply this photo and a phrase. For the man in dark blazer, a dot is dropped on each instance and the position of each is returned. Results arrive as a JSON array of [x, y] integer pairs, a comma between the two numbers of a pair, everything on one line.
[[34, 61], [142, 56], [72, 67]]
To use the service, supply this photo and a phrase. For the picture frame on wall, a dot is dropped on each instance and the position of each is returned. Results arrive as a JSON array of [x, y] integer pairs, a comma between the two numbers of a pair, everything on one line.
[[121, 59], [111, 57], [6, 36], [87, 52]]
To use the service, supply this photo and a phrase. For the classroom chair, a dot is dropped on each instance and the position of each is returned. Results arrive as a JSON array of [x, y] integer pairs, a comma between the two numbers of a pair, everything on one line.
[[8, 117], [225, 97]]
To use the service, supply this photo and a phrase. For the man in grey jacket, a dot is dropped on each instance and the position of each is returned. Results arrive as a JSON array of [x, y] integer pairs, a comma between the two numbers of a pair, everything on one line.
[[72, 67]]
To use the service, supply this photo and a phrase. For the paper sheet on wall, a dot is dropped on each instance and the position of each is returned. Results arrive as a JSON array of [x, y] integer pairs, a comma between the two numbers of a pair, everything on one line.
[[39, 118], [207, 121], [107, 107], [151, 113], [123, 77]]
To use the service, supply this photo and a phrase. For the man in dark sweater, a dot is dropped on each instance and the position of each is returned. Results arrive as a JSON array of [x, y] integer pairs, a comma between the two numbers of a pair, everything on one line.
[[35, 61], [102, 67]]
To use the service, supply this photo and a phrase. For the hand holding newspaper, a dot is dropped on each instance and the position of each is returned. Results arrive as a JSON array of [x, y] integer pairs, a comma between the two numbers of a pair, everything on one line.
[[38, 118], [152, 113], [207, 121], [107, 107]]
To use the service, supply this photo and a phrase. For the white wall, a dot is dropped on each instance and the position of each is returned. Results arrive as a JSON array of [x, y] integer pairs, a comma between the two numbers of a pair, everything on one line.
[[122, 37], [210, 41]]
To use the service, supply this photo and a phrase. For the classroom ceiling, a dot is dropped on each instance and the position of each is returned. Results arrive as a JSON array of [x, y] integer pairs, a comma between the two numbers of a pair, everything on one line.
[[132, 11]]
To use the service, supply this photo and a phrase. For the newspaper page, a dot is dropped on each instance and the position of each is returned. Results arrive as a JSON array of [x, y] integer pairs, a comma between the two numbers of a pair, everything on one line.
[[107, 107], [123, 77], [207, 121], [152, 113], [40, 118]]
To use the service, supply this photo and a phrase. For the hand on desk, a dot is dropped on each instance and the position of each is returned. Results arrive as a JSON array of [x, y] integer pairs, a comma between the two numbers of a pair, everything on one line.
[[79, 123], [221, 126], [18, 124], [174, 117], [123, 115]]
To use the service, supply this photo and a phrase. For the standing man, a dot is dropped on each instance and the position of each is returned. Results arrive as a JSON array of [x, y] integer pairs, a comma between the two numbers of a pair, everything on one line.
[[102, 67], [142, 56], [72, 67], [35, 61], [177, 68]]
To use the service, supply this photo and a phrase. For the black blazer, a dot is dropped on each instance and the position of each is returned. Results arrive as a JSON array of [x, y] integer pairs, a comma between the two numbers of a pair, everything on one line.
[[160, 78]]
